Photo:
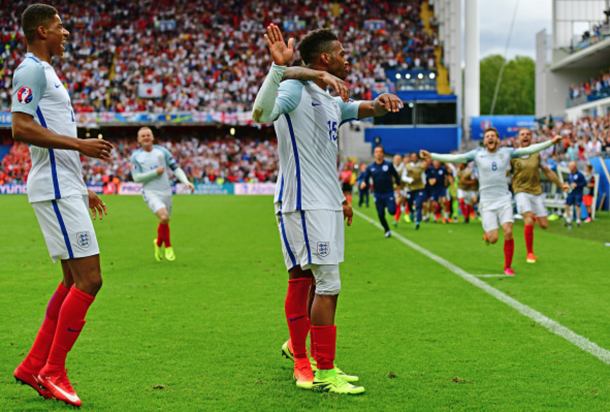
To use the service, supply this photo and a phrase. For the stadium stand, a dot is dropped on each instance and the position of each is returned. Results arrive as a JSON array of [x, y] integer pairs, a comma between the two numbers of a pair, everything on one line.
[[192, 59]]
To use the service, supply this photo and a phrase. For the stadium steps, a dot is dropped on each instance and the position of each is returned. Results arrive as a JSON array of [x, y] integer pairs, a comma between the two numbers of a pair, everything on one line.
[[442, 74], [426, 14]]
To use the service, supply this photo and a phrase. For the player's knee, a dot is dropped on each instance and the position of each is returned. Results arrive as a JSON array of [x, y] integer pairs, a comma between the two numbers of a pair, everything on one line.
[[327, 279], [492, 237], [164, 218], [508, 233], [543, 223]]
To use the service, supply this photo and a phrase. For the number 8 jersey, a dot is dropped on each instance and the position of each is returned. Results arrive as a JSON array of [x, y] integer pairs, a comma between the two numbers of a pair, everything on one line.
[[492, 168], [37, 91], [307, 143]]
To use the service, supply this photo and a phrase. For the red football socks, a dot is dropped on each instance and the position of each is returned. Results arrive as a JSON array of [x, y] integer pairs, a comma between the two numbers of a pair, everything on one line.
[[296, 314], [509, 249], [397, 214], [37, 357], [163, 235], [325, 339], [69, 325], [529, 238]]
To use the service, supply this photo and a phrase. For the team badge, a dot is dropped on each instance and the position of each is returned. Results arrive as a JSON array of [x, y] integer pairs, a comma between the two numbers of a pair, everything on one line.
[[24, 95], [323, 249], [83, 239], [385, 168]]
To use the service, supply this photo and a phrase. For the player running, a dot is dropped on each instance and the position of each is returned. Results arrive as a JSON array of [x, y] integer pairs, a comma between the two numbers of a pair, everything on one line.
[[495, 206], [468, 187], [415, 177], [528, 191], [42, 117], [384, 177], [309, 205], [437, 178], [149, 166]]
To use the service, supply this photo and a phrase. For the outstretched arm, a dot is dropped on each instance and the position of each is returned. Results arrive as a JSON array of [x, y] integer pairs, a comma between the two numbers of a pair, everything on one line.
[[183, 179], [553, 178], [382, 105], [535, 148], [448, 158]]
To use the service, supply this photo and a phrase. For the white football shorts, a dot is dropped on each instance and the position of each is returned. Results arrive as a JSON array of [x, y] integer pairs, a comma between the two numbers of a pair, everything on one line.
[[67, 227], [156, 201], [527, 202], [467, 195], [492, 217], [312, 237]]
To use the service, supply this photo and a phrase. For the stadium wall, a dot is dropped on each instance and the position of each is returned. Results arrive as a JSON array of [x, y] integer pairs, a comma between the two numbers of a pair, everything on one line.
[[404, 139]]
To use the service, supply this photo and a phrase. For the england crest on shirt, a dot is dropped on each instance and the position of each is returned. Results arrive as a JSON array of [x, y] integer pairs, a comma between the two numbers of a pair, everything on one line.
[[83, 239], [323, 249], [385, 168]]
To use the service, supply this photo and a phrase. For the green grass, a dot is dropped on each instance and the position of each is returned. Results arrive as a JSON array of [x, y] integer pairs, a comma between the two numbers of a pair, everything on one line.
[[209, 326]]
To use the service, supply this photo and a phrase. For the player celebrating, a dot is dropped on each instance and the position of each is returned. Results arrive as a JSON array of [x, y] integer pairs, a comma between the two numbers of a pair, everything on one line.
[[495, 206], [415, 176], [468, 186], [149, 164], [528, 190], [42, 117], [309, 205], [382, 173], [438, 178]]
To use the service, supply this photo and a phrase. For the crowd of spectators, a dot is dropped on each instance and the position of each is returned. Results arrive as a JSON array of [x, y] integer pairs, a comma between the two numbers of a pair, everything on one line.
[[596, 86], [584, 139], [208, 54], [217, 160], [598, 33]]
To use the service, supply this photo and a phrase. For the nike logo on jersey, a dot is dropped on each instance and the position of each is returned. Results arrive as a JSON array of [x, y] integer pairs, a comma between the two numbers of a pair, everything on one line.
[[316, 104], [57, 85], [293, 319], [72, 330], [72, 398]]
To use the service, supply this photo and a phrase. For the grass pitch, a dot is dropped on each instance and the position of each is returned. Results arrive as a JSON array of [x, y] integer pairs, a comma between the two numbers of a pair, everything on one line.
[[205, 332]]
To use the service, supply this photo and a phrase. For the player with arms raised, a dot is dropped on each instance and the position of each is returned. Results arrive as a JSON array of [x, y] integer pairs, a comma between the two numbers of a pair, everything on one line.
[[149, 166], [495, 204], [309, 205], [42, 117], [528, 190]]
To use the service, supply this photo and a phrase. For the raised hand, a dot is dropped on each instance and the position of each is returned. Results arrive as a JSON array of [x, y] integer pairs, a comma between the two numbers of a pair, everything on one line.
[[96, 148], [424, 154], [556, 139], [280, 52]]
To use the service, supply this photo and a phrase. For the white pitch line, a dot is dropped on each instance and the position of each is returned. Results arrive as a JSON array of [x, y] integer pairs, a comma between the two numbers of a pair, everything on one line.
[[580, 341]]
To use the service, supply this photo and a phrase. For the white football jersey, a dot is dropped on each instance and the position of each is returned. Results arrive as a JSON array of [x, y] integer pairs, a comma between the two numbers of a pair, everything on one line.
[[307, 143], [143, 161], [37, 91], [492, 168]]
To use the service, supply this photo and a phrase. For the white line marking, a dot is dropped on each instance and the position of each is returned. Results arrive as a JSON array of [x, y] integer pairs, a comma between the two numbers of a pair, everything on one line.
[[580, 341], [492, 276]]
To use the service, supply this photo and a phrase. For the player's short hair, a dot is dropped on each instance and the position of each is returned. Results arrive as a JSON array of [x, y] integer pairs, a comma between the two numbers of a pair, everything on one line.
[[415, 153], [144, 128], [492, 129], [34, 16], [523, 128], [298, 62], [380, 147], [315, 43]]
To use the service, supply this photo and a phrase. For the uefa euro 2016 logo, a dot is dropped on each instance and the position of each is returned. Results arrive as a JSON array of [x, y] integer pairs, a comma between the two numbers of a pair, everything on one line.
[[24, 95]]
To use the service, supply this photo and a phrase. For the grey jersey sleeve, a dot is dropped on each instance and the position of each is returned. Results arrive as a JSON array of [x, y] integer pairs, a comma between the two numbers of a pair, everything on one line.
[[29, 84]]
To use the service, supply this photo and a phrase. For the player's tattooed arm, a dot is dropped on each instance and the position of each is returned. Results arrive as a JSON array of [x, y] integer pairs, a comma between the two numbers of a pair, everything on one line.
[[305, 74]]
